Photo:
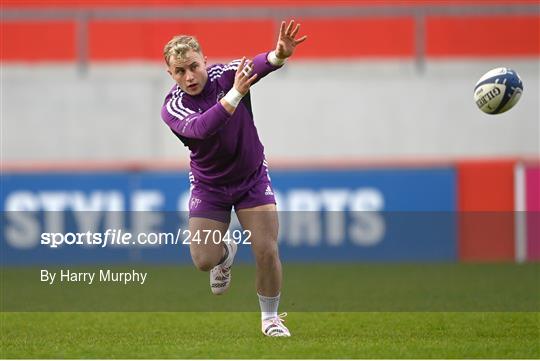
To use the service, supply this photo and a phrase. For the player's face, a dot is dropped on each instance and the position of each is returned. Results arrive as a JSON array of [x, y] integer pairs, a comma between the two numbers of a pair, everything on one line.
[[189, 73]]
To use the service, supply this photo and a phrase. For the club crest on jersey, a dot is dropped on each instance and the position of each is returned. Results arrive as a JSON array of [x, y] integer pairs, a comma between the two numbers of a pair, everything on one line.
[[220, 95], [194, 203]]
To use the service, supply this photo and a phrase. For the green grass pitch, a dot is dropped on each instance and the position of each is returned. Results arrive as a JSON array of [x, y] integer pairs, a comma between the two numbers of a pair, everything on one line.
[[237, 335], [335, 311]]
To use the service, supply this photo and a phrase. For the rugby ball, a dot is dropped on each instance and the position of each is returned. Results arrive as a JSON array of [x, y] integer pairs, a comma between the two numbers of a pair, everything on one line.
[[498, 90]]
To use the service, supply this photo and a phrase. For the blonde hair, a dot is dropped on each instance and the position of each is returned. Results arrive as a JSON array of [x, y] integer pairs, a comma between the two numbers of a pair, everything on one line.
[[179, 46]]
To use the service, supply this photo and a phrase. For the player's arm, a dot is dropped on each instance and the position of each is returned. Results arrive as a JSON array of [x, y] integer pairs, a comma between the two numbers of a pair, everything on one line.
[[265, 63], [285, 47], [189, 123], [286, 43], [261, 65]]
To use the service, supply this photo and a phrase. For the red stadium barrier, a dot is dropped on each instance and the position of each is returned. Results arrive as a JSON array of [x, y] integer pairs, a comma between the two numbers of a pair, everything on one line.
[[56, 41], [251, 3], [344, 36], [124, 40], [483, 36], [340, 38], [486, 206]]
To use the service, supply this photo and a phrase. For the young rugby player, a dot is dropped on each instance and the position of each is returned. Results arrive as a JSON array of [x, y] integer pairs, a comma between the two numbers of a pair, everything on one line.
[[209, 110]]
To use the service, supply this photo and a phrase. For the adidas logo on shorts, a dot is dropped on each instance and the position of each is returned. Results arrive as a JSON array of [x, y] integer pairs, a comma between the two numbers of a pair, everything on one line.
[[268, 191]]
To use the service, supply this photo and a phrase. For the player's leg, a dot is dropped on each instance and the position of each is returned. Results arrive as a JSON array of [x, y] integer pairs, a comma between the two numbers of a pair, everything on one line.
[[211, 253], [262, 222], [205, 253], [209, 218]]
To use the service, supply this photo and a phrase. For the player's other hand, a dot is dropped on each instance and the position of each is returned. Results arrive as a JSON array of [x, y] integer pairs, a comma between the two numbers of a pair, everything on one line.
[[286, 41], [244, 77]]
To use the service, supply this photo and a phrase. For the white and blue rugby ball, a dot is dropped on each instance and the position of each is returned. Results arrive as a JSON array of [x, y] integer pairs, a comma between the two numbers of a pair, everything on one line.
[[498, 90]]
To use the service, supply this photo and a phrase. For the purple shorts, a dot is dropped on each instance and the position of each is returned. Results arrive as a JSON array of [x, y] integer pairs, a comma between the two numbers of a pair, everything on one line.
[[216, 202]]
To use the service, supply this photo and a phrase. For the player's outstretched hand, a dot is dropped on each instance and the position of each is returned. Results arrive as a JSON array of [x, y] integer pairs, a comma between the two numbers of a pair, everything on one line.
[[243, 77], [286, 41]]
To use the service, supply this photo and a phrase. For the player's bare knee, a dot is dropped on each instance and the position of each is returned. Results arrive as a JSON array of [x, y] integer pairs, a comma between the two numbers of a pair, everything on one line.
[[203, 262], [268, 254]]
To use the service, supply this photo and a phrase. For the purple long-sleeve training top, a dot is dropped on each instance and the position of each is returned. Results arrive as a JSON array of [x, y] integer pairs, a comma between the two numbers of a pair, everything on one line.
[[224, 148]]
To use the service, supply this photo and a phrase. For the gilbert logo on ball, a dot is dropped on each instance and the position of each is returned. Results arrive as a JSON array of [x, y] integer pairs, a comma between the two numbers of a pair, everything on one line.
[[498, 90]]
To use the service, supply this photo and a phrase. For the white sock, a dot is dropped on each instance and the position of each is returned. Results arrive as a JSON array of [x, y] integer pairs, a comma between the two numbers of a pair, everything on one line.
[[269, 306]]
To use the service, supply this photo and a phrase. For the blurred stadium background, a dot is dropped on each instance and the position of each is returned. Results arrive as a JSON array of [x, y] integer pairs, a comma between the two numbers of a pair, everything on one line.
[[374, 113], [396, 189]]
